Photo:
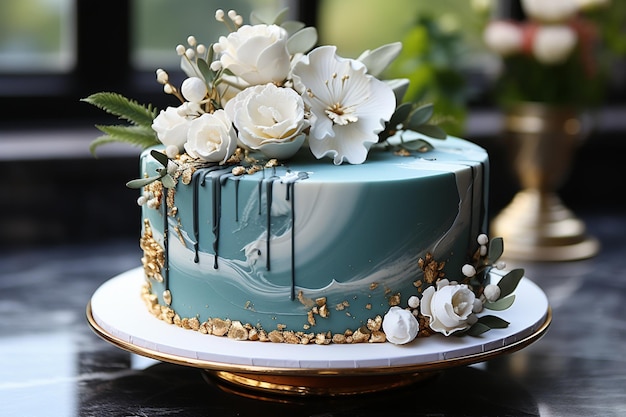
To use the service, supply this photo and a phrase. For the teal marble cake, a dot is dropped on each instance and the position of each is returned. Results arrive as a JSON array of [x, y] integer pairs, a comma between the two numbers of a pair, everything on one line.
[[307, 252]]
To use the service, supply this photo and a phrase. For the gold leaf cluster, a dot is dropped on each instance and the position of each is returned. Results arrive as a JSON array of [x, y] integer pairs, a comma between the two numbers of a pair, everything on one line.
[[153, 258]]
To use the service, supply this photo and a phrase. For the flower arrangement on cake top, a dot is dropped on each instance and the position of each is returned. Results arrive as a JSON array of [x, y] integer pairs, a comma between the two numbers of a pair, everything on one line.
[[266, 88]]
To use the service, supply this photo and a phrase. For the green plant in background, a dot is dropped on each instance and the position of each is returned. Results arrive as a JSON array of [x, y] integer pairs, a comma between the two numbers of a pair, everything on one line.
[[431, 59]]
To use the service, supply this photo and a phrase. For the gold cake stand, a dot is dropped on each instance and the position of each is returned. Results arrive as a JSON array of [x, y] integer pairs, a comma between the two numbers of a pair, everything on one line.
[[259, 380]]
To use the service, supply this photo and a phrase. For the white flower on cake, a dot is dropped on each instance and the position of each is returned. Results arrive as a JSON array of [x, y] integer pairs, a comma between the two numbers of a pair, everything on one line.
[[298, 94], [348, 106], [257, 54], [269, 119], [211, 137], [449, 307], [171, 127], [400, 326]]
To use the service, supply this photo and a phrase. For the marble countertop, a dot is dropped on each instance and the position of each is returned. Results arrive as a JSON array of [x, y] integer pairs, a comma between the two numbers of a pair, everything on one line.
[[53, 364]]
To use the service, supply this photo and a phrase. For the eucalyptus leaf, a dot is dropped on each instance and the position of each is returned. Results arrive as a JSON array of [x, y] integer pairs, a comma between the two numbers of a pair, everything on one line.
[[432, 131], [377, 60], [292, 26], [501, 304], [205, 70], [142, 182], [477, 329], [496, 248], [420, 116], [399, 86], [302, 41], [493, 322], [509, 282], [168, 181], [400, 114], [417, 145], [160, 157], [281, 16]]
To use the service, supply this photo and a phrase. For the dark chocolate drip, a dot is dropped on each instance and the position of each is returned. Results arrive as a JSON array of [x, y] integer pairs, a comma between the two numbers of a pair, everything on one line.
[[290, 196], [216, 201], [196, 228], [269, 188], [216, 194], [166, 258], [269, 196]]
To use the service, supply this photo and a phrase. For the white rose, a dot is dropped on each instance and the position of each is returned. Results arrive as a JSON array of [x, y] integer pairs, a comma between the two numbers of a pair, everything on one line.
[[504, 38], [257, 54], [449, 307], [211, 137], [400, 326], [171, 127], [553, 44], [269, 119]]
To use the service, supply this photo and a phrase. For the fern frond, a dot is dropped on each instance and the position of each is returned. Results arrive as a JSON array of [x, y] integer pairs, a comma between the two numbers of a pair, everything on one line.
[[124, 108], [132, 135]]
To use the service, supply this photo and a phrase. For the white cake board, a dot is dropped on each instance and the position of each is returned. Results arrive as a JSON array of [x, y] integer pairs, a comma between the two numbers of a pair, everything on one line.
[[118, 314]]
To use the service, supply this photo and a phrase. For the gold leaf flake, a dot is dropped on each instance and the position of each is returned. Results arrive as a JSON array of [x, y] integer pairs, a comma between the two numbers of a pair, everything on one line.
[[167, 297], [236, 331], [220, 327]]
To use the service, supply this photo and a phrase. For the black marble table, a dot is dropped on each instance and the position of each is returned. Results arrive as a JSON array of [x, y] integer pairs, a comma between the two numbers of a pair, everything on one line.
[[53, 364]]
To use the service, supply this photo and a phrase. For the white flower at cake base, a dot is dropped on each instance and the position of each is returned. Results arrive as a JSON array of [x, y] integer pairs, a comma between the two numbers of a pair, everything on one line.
[[211, 137], [348, 106], [400, 326], [269, 119], [257, 54], [449, 307]]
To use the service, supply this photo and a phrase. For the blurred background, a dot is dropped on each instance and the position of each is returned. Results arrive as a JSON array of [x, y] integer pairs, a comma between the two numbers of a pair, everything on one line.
[[55, 52]]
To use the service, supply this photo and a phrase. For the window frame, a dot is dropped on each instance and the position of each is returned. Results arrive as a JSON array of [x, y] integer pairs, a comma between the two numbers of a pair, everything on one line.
[[103, 63]]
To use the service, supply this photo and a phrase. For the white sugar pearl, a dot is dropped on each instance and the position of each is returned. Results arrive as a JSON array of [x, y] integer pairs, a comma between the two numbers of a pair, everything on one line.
[[414, 301]]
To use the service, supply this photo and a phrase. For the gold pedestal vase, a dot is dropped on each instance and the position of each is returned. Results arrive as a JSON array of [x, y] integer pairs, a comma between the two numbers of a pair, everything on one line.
[[536, 225]]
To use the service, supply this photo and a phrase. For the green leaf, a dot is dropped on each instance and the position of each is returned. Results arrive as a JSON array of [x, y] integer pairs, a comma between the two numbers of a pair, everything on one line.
[[132, 135], [256, 19], [168, 181], [292, 26], [377, 60], [302, 41], [206, 71], [509, 282], [142, 182], [399, 86], [496, 248], [420, 116], [417, 145], [493, 322], [432, 131], [477, 329], [160, 157], [400, 115], [124, 108], [501, 304]]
